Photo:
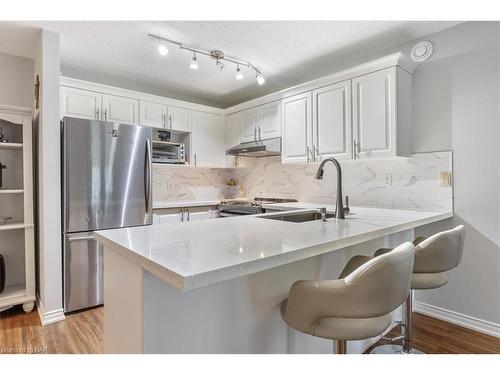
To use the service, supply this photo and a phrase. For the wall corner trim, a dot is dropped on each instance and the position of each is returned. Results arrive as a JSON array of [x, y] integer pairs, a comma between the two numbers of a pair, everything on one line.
[[476, 324]]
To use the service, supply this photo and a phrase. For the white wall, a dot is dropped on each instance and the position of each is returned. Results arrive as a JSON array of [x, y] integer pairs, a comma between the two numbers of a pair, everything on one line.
[[49, 298], [456, 106], [16, 81]]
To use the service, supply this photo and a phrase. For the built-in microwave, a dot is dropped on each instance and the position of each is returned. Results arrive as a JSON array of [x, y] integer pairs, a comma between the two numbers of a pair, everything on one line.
[[166, 151]]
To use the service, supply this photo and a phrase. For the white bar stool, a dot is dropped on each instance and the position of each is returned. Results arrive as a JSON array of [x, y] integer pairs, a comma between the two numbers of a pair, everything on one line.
[[433, 256], [356, 306]]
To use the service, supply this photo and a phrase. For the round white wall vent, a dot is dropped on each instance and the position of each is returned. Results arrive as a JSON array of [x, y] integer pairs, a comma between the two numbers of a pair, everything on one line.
[[422, 51]]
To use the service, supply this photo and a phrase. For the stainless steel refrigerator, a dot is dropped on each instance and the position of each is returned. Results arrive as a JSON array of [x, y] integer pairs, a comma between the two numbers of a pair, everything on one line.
[[106, 183]]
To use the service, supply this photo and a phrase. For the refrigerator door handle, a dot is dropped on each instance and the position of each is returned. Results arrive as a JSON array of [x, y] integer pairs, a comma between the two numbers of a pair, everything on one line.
[[80, 238], [147, 177]]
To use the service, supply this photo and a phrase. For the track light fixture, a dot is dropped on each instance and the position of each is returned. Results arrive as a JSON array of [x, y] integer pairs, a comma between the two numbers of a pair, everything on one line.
[[217, 55]]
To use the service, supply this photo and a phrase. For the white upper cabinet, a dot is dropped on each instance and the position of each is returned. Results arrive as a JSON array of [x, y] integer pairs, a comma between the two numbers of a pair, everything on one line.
[[232, 128], [332, 130], [249, 121], [297, 129], [375, 113], [120, 109], [152, 114], [80, 103], [269, 125], [179, 119], [207, 140]]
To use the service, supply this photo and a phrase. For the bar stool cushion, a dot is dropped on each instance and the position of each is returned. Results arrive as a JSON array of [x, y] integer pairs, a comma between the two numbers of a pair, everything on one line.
[[422, 281], [419, 281], [345, 328]]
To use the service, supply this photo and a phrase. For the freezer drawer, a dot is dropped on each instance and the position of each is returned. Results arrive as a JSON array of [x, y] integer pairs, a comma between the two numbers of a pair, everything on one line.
[[83, 271]]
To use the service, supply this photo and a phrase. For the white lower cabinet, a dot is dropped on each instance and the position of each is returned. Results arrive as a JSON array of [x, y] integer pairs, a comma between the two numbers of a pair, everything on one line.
[[178, 215], [175, 217], [120, 109], [332, 128], [207, 140], [297, 128]]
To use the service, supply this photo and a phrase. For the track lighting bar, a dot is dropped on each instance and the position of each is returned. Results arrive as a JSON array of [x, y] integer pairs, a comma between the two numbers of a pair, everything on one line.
[[217, 55]]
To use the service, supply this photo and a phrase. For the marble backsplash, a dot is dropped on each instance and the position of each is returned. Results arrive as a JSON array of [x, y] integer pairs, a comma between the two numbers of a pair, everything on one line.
[[405, 183], [184, 183]]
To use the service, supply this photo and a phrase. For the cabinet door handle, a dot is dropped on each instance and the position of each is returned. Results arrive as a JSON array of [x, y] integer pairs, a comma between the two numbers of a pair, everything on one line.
[[164, 120], [97, 114], [356, 149], [195, 160], [255, 133], [106, 115], [260, 137], [170, 120], [317, 155]]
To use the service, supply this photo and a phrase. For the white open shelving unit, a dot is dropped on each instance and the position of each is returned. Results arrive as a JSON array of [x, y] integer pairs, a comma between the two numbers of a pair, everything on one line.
[[16, 208]]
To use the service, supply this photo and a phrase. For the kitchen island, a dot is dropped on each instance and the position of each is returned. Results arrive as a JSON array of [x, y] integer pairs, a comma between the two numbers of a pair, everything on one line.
[[215, 286]]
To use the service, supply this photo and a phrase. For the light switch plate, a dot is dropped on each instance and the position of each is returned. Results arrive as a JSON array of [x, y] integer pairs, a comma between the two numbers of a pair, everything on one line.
[[445, 179]]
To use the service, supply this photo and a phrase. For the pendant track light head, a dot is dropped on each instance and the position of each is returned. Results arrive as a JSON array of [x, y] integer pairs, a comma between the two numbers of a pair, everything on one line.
[[260, 79], [194, 62], [239, 74], [162, 49]]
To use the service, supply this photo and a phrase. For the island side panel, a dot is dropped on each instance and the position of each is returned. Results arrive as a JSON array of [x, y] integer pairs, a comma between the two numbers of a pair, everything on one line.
[[123, 304], [242, 315]]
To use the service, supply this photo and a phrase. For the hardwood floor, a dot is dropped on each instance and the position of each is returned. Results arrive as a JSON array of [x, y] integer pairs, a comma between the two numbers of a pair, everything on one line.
[[80, 333], [83, 333]]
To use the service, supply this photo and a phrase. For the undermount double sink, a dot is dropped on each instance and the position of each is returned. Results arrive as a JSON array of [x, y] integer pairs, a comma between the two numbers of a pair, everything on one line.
[[298, 217]]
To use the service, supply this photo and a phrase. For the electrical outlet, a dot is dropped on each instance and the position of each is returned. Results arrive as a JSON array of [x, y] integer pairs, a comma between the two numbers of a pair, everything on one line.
[[388, 179], [445, 179]]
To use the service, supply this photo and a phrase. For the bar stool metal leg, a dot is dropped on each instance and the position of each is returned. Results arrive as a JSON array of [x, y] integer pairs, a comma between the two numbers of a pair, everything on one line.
[[341, 346]]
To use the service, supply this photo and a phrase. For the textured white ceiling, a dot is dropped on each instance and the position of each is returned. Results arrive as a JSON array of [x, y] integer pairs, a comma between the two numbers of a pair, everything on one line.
[[288, 52]]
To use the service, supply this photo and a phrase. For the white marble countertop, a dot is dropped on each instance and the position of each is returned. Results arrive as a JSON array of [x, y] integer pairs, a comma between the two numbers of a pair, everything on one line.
[[194, 254], [180, 204]]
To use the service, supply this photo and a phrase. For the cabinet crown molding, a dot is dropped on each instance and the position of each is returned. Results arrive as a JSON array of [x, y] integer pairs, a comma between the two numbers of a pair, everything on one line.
[[396, 59], [112, 90]]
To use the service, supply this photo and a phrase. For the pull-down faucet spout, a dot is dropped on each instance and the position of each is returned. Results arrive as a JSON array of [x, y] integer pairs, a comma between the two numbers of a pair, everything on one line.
[[339, 207]]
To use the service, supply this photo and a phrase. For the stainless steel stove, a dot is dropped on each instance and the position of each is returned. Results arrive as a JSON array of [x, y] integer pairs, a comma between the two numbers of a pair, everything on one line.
[[237, 207]]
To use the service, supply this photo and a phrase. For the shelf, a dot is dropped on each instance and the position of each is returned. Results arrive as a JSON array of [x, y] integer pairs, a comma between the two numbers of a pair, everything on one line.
[[13, 291], [11, 145], [12, 191], [12, 226]]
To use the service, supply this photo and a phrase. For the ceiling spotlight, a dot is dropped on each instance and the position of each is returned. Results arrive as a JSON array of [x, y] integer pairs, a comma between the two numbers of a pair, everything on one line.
[[162, 49], [194, 62], [219, 65], [239, 74], [260, 79]]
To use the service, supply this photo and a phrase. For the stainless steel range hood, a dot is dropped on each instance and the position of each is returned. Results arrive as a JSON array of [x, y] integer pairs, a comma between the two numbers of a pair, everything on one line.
[[257, 149]]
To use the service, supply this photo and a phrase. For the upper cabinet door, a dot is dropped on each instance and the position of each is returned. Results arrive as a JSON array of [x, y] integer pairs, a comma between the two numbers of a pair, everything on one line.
[[120, 109], [374, 113], [152, 114], [207, 140], [269, 125], [248, 131], [332, 130], [80, 103], [179, 119], [231, 136], [297, 129]]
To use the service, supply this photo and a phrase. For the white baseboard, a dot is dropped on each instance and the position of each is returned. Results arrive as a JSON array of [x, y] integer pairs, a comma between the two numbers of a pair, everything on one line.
[[483, 326], [49, 317]]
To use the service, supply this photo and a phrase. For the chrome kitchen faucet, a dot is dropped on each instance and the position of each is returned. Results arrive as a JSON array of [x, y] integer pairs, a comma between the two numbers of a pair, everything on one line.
[[339, 208]]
